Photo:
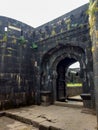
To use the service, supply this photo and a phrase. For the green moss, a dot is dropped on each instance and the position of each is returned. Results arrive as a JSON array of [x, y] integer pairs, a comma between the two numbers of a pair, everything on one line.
[[91, 11], [68, 22]]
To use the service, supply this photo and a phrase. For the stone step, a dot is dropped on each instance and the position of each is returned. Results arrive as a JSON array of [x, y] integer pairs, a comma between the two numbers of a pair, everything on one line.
[[32, 125], [73, 104], [7, 123]]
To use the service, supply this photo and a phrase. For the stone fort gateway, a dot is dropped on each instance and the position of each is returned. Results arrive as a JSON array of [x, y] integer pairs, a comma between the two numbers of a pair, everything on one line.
[[34, 61]]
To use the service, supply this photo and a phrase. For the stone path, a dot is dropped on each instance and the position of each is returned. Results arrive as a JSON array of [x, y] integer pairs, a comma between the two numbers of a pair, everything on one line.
[[10, 124], [55, 118]]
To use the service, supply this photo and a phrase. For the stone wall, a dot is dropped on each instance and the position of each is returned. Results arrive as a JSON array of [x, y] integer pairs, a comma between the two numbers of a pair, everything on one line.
[[16, 69], [71, 20], [73, 91], [93, 21], [26, 55]]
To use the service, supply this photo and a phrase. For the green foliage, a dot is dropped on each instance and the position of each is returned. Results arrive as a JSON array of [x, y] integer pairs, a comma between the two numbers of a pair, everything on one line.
[[91, 11], [74, 84], [53, 32], [5, 38], [34, 46], [68, 22], [22, 40]]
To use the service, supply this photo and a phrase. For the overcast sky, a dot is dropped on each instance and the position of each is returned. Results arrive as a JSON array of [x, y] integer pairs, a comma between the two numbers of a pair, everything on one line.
[[37, 12]]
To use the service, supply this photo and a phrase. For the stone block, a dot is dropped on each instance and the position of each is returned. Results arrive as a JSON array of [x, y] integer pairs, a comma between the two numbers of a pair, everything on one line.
[[43, 127]]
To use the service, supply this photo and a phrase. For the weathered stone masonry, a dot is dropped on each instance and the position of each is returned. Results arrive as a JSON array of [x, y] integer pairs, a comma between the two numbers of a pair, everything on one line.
[[33, 61], [93, 6], [16, 70]]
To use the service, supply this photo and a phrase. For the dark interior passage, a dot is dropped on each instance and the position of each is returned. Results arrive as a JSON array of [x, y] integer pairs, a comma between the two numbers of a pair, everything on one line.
[[63, 78]]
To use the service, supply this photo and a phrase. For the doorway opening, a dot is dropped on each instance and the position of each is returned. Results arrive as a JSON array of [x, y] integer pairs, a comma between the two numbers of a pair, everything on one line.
[[68, 83], [74, 84]]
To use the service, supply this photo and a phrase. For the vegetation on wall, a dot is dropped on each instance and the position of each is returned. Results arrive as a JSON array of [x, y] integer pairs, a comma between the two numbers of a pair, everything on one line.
[[74, 84], [68, 22], [22, 40], [4, 39], [34, 46], [91, 11]]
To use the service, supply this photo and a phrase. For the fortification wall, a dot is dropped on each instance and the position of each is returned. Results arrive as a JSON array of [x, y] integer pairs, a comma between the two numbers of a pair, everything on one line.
[[16, 69]]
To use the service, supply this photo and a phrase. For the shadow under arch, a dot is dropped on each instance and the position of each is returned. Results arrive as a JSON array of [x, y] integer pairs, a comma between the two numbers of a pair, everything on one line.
[[65, 55]]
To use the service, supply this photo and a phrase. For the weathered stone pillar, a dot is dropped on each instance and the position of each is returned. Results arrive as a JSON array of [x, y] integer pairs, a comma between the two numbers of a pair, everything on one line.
[[93, 21]]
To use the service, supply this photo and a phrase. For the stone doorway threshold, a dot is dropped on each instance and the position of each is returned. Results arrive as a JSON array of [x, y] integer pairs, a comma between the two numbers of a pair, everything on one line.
[[74, 102], [69, 103]]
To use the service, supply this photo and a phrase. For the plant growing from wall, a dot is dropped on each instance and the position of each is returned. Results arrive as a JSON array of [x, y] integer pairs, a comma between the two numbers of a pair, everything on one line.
[[22, 40], [14, 39], [4, 39], [53, 31], [91, 11], [68, 22], [34, 46]]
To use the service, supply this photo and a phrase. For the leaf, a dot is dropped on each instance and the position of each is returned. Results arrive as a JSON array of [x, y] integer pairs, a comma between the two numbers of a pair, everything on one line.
[[22, 40], [34, 46]]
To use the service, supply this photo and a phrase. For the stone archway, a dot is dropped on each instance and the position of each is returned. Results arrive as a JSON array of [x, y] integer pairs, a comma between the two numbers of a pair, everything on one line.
[[51, 63], [62, 78]]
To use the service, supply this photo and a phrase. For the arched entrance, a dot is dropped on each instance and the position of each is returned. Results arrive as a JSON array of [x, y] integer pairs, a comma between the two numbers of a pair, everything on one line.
[[54, 67], [63, 78]]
